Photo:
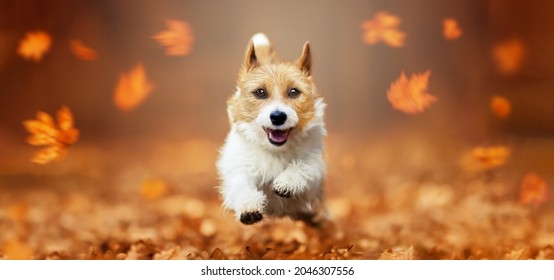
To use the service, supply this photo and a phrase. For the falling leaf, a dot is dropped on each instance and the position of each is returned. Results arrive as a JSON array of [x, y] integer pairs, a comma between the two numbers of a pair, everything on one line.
[[56, 138], [34, 45], [153, 189], [533, 190], [500, 106], [79, 50], [410, 96], [509, 56], [485, 158], [451, 30], [132, 88], [383, 28], [177, 39]]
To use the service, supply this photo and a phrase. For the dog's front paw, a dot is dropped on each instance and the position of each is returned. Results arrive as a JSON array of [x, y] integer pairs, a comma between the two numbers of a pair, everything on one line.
[[249, 218], [289, 184], [282, 190], [283, 193]]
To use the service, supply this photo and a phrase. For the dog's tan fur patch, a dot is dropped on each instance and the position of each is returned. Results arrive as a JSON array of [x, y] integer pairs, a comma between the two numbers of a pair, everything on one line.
[[276, 80]]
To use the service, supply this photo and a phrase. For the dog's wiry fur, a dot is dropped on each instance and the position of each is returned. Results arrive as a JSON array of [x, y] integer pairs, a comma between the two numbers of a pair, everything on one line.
[[260, 177]]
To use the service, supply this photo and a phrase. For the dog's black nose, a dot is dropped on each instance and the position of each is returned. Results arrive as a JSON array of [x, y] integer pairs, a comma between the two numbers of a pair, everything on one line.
[[278, 117]]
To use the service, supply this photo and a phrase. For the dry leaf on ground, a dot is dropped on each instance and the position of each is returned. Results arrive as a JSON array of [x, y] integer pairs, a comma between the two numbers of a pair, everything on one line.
[[14, 249], [399, 254]]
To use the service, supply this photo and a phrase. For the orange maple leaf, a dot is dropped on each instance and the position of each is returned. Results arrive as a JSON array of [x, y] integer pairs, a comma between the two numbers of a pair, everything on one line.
[[383, 28], [485, 158], [34, 45], [132, 89], [55, 137], [177, 39], [79, 50], [533, 190], [509, 55], [500, 106], [451, 30], [410, 96]]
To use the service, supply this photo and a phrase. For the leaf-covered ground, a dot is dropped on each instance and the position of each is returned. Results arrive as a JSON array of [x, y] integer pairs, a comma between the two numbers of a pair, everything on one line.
[[402, 199]]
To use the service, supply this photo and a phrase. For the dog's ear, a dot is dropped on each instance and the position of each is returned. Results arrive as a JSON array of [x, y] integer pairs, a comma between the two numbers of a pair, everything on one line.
[[305, 60], [250, 59]]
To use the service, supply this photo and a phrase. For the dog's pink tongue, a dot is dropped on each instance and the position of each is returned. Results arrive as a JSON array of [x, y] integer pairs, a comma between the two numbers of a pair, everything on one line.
[[278, 135]]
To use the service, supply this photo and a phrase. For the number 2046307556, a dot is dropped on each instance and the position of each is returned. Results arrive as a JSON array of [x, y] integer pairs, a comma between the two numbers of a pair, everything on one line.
[[324, 270]]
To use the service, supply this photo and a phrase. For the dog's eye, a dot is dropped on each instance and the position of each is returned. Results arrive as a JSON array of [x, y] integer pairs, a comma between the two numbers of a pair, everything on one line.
[[294, 92], [260, 93]]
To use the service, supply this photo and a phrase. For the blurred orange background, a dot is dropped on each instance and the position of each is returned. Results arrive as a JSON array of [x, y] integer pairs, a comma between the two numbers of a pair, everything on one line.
[[174, 133], [190, 91]]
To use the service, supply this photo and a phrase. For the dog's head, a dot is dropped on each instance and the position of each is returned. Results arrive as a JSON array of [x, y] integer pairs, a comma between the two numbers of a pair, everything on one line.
[[275, 102]]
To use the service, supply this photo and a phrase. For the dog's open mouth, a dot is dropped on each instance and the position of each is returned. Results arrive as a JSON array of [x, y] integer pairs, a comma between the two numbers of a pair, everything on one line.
[[277, 137]]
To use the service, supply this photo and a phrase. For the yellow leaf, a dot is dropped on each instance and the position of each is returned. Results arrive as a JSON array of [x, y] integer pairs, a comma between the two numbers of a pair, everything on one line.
[[34, 45], [451, 30], [485, 158], [68, 134], [48, 154], [383, 28], [509, 56], [56, 137], [41, 140], [132, 89], [533, 190], [79, 50], [500, 106], [42, 133], [177, 39], [410, 95], [45, 118]]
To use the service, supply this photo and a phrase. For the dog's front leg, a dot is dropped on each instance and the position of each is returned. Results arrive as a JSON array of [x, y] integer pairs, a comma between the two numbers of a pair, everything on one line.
[[241, 195], [298, 177]]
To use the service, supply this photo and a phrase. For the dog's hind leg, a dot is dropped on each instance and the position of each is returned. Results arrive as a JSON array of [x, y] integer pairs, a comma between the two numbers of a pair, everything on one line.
[[315, 217]]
